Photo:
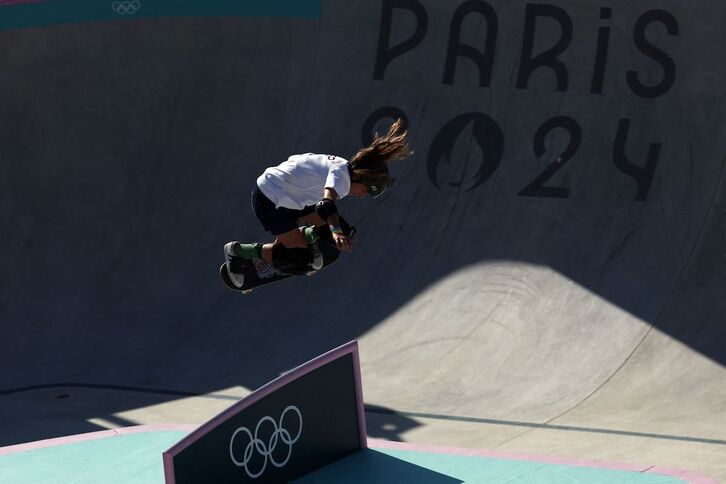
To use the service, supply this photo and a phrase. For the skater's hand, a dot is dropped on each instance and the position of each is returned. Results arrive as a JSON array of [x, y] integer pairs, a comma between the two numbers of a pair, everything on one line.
[[343, 242]]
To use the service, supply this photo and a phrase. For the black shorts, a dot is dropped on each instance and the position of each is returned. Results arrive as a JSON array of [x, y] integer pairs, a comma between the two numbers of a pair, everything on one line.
[[276, 220]]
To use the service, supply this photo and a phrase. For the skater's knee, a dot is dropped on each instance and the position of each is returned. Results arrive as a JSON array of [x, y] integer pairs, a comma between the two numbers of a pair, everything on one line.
[[292, 239], [291, 260]]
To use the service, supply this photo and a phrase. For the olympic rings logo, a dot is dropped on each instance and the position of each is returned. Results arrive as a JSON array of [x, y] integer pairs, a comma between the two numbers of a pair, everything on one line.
[[266, 449], [127, 7]]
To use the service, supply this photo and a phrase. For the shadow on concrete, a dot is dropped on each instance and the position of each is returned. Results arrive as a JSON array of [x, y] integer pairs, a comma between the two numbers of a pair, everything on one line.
[[372, 466], [384, 423]]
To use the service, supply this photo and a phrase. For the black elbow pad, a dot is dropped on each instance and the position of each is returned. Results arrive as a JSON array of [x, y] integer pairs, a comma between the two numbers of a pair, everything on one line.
[[325, 208]]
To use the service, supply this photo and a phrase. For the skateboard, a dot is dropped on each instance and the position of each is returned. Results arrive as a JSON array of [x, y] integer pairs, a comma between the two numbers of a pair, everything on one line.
[[260, 273]]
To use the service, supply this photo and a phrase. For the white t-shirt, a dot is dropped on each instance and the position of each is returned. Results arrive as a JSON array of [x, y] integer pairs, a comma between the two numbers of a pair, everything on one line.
[[300, 181]]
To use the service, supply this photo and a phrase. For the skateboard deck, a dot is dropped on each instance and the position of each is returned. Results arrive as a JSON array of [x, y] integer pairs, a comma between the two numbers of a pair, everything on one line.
[[260, 273]]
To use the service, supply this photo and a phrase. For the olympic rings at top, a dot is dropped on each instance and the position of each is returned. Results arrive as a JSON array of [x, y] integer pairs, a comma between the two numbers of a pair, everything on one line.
[[126, 7]]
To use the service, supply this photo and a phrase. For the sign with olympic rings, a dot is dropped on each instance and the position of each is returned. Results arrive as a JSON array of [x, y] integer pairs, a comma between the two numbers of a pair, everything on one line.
[[280, 435], [302, 421]]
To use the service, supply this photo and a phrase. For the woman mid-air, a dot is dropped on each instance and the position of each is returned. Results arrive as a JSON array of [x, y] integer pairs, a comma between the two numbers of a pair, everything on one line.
[[303, 191]]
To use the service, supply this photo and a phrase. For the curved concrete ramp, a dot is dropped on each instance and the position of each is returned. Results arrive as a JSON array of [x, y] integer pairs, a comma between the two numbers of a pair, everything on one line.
[[547, 277]]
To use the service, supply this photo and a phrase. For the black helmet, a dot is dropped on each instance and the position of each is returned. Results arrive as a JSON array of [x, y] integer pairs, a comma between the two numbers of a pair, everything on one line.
[[376, 186]]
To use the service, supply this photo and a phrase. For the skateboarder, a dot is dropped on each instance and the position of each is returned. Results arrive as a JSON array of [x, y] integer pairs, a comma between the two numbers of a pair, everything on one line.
[[304, 190]]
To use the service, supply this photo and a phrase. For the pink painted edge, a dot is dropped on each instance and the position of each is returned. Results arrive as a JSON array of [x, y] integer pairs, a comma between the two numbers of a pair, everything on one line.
[[363, 434], [169, 477], [101, 434], [262, 392], [689, 476]]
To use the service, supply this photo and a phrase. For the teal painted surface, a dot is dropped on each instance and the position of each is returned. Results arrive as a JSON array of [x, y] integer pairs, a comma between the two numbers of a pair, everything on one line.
[[423, 468], [51, 12], [120, 459], [137, 458]]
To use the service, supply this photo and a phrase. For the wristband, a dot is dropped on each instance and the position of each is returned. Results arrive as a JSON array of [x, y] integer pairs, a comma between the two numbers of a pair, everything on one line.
[[335, 230]]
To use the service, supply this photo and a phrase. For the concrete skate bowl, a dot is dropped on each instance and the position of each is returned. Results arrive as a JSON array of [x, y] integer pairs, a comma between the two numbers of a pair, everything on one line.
[[547, 275]]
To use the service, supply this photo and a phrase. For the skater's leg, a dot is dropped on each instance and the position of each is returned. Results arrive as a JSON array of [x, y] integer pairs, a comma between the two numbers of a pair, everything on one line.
[[290, 252], [267, 251], [283, 223], [293, 239], [244, 251], [312, 219], [307, 233]]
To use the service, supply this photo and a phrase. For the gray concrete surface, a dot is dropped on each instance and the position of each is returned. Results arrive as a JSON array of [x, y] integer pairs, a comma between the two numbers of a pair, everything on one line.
[[585, 321]]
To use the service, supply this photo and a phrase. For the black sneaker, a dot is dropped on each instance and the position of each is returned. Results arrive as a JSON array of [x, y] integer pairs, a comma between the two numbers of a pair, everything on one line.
[[234, 264]]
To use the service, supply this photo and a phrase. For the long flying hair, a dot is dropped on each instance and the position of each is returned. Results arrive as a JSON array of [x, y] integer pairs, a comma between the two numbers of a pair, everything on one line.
[[372, 161]]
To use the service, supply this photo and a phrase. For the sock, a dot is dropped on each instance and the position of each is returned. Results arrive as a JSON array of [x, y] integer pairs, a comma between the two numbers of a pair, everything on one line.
[[248, 251], [310, 235]]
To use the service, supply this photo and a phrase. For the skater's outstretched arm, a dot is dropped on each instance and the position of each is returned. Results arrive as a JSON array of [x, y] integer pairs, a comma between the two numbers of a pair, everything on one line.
[[342, 241]]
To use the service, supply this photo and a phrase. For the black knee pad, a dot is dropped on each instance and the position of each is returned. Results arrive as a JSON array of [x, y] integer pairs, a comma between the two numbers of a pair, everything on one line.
[[291, 261]]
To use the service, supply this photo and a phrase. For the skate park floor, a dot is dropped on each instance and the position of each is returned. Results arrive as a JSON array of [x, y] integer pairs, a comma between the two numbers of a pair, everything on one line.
[[462, 449], [133, 454]]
